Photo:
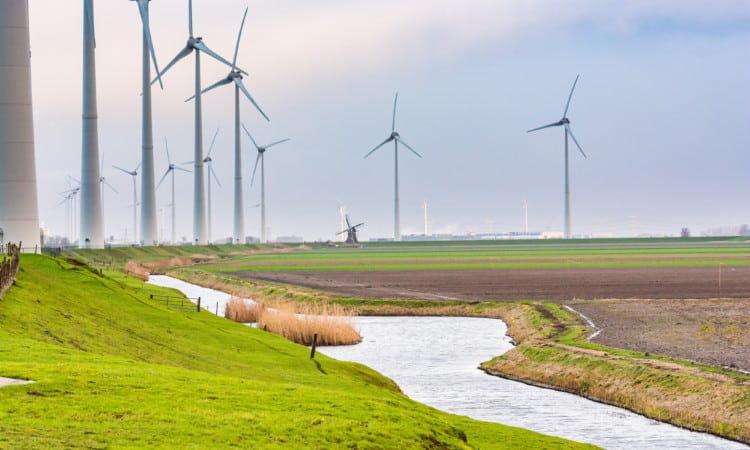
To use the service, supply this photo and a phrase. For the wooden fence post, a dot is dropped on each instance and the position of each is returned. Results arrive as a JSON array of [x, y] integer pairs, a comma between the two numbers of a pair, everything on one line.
[[199, 304], [314, 343]]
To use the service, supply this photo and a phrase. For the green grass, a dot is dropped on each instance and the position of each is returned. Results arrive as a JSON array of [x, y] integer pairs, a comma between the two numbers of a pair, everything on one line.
[[114, 369]]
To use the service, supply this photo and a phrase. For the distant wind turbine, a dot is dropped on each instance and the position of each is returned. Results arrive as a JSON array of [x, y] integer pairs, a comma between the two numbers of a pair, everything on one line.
[[209, 162], [199, 204], [260, 157], [396, 138], [148, 191], [564, 122], [170, 169], [235, 76], [133, 173], [92, 228], [342, 219]]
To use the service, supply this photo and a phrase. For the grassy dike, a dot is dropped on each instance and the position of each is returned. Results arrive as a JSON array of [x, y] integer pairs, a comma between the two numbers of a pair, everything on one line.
[[553, 352], [113, 369]]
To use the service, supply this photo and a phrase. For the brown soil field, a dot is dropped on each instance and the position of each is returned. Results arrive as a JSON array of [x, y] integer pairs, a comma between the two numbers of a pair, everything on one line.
[[686, 312]]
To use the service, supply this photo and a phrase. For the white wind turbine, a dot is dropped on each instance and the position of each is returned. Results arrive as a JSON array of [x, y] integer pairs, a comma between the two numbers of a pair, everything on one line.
[[133, 173], [148, 190], [261, 158], [208, 161], [565, 123], [92, 220], [199, 204], [342, 219], [235, 76], [170, 169], [396, 138]]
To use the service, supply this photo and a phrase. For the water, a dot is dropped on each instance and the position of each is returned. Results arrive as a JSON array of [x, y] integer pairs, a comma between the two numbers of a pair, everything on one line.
[[434, 360]]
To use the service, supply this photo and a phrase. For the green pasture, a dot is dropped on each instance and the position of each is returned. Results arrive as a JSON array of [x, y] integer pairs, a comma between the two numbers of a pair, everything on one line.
[[496, 255], [114, 369]]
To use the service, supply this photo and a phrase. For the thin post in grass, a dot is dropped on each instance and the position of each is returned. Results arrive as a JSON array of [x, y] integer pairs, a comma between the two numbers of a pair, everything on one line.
[[314, 343], [199, 304]]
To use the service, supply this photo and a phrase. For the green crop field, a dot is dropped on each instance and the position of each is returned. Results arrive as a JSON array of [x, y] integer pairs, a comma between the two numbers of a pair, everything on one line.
[[497, 255], [113, 369]]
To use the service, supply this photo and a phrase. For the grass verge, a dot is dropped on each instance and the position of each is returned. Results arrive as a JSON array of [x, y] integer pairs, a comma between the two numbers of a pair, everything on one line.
[[116, 370]]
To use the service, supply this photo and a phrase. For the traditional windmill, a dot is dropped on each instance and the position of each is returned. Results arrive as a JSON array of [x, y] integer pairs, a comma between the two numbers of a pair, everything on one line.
[[351, 231]]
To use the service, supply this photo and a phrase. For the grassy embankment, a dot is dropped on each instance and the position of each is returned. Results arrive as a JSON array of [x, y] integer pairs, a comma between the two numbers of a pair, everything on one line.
[[553, 350], [115, 369]]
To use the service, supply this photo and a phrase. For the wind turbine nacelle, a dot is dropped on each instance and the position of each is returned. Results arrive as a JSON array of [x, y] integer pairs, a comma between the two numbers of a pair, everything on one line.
[[564, 121]]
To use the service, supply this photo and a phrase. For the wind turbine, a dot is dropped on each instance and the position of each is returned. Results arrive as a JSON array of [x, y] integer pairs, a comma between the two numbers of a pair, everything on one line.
[[148, 191], [342, 218], [170, 169], [199, 204], [396, 138], [565, 123], [235, 76], [92, 228], [209, 161], [133, 173], [260, 157]]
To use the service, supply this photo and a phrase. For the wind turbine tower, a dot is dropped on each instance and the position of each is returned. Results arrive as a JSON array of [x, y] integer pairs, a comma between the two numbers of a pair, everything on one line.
[[525, 217], [19, 214], [396, 138], [92, 228], [426, 222], [148, 189], [565, 123]]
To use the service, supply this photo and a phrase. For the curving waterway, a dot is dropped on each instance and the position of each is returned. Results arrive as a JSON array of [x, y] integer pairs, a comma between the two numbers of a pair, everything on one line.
[[434, 361]]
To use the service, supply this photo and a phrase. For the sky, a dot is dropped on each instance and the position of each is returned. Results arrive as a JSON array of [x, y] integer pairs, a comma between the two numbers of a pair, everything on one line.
[[661, 108]]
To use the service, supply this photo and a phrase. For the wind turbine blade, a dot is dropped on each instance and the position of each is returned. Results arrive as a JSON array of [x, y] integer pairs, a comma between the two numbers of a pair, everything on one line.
[[565, 113], [166, 145], [250, 136], [137, 167], [257, 159], [244, 90], [221, 82], [216, 178], [143, 10], [277, 142], [210, 148], [90, 18], [556, 124], [408, 146], [204, 48], [182, 53], [393, 126], [180, 168], [190, 18], [163, 177], [121, 169], [109, 186], [237, 45], [570, 132], [187, 162], [379, 145]]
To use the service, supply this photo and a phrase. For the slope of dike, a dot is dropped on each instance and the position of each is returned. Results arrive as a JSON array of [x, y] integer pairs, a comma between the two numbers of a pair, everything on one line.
[[115, 368]]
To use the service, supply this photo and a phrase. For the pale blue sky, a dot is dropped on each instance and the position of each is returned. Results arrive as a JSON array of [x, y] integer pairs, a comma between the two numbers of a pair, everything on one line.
[[662, 109]]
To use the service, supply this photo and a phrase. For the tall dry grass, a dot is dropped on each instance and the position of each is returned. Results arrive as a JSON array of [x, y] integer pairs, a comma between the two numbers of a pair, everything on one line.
[[137, 270], [329, 322], [298, 323], [241, 310]]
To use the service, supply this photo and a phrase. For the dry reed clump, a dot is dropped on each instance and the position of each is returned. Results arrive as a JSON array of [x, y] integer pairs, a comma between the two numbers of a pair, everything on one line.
[[241, 310], [137, 270], [330, 322]]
